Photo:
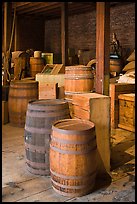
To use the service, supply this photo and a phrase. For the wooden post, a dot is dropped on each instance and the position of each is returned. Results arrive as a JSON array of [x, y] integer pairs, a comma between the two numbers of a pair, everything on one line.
[[102, 47], [7, 24], [16, 35], [64, 32], [7, 34]]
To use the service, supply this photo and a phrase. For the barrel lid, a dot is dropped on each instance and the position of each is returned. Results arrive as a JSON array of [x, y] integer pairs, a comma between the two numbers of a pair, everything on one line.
[[50, 102], [73, 126], [77, 67]]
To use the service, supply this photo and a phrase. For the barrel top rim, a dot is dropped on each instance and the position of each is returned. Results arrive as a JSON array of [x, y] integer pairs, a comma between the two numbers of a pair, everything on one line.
[[50, 102], [83, 126], [77, 66]]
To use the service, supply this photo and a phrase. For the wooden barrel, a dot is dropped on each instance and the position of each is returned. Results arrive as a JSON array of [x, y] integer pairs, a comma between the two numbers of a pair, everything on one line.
[[39, 118], [73, 162], [115, 65], [78, 79], [20, 92], [36, 65]]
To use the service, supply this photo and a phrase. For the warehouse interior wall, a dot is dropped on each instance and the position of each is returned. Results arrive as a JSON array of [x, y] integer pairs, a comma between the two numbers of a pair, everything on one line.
[[82, 30], [30, 33]]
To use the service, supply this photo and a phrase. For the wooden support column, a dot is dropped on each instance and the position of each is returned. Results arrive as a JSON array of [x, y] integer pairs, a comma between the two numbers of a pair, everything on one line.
[[7, 35], [64, 32], [16, 34], [102, 47], [7, 24]]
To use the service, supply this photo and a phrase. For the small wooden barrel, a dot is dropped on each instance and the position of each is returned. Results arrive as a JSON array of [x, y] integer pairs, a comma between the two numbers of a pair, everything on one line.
[[20, 92], [36, 65], [115, 65], [73, 162], [39, 118], [78, 79]]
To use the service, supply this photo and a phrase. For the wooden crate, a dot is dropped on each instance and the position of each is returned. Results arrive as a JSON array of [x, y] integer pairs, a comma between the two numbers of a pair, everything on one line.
[[49, 78], [96, 107], [127, 111], [115, 90], [47, 90], [5, 114]]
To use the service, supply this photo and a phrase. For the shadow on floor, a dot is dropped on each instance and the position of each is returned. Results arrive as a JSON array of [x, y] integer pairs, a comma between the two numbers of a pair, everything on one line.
[[119, 156]]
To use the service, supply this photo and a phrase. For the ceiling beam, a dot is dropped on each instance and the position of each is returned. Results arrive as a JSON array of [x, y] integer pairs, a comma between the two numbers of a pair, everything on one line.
[[44, 9]]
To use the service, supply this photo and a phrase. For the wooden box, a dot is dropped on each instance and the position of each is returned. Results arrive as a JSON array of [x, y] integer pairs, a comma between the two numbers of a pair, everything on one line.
[[115, 90], [48, 90], [51, 78], [127, 111], [5, 114], [96, 108]]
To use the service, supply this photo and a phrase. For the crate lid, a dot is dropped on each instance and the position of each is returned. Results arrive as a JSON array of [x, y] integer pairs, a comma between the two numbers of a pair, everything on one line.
[[127, 97]]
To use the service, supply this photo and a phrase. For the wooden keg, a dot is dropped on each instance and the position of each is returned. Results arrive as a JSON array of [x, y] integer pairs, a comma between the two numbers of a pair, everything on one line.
[[73, 162], [39, 118], [36, 65], [115, 65], [78, 79], [20, 92]]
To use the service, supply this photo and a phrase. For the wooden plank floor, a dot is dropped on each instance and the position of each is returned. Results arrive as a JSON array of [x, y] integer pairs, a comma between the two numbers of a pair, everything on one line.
[[18, 185]]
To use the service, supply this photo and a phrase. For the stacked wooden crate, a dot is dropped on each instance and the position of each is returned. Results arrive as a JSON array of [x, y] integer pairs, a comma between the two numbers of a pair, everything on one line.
[[127, 111], [96, 108], [115, 90]]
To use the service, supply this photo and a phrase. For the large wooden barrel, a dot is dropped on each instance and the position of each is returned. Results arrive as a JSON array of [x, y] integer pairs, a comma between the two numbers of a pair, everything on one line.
[[39, 118], [78, 79], [20, 92], [36, 65], [73, 162]]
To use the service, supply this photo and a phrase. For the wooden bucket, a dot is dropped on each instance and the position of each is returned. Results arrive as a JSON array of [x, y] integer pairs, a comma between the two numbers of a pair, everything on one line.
[[78, 79], [37, 54], [39, 118], [73, 162], [115, 65], [36, 65], [20, 92]]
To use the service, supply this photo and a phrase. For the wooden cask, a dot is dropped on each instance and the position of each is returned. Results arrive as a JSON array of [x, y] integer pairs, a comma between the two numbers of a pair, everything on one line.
[[78, 79], [20, 92], [127, 111], [73, 157], [39, 118], [36, 65]]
